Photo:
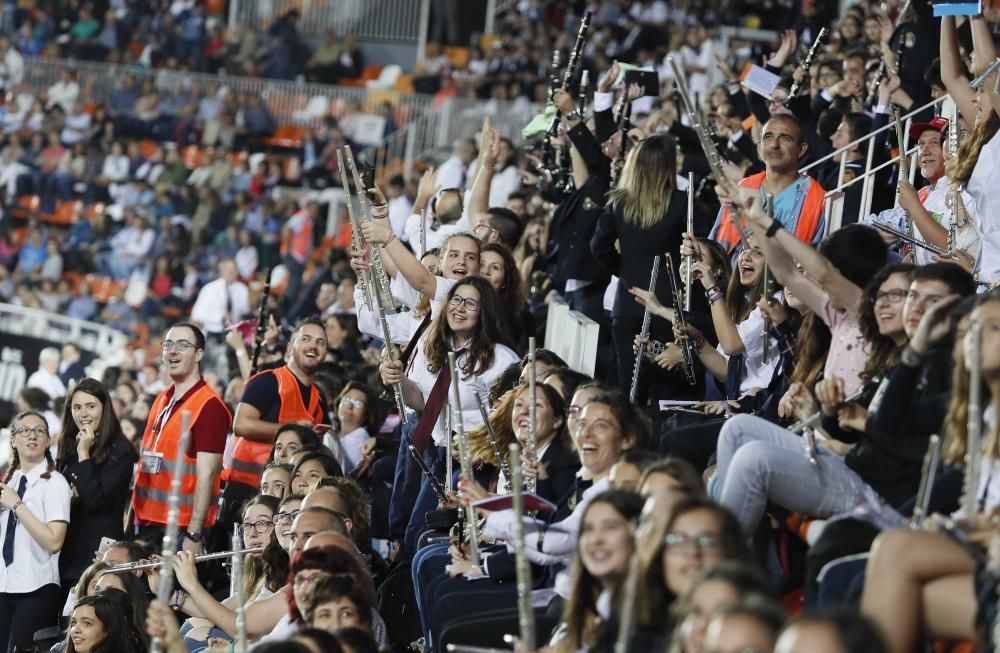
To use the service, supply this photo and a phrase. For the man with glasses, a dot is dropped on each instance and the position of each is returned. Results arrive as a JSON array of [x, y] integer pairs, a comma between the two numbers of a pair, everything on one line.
[[274, 397], [209, 421], [930, 207]]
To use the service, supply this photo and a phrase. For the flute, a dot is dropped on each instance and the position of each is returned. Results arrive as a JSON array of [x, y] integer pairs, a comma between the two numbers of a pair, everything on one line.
[[140, 565], [262, 319], [806, 427], [626, 620], [647, 317], [916, 242], [465, 459], [927, 474], [492, 435], [904, 167], [532, 445], [708, 146], [807, 62], [436, 486], [685, 344], [766, 292], [237, 582], [689, 260], [525, 611], [364, 282], [974, 426], [172, 531]]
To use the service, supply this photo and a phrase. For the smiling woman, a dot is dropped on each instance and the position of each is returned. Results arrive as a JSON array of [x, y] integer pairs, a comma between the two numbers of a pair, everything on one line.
[[101, 623]]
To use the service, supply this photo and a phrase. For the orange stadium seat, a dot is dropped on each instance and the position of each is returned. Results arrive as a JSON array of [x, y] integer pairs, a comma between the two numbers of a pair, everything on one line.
[[26, 207], [287, 136], [65, 213], [458, 57], [147, 148], [94, 210]]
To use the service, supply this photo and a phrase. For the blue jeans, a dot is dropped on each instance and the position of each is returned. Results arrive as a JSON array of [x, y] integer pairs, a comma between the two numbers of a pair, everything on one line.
[[428, 563], [760, 462], [405, 483], [426, 499]]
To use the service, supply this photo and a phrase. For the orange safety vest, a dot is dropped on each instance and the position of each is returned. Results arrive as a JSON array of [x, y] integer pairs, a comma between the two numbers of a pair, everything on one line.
[[152, 491], [300, 242], [809, 215], [249, 457]]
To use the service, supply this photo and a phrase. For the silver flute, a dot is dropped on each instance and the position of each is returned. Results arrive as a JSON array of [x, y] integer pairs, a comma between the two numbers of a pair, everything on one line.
[[766, 292], [974, 429], [531, 450], [172, 531], [647, 317], [364, 276], [689, 260], [931, 460], [492, 435], [380, 281], [626, 621], [465, 459], [685, 343], [904, 167], [237, 582], [806, 427], [141, 565], [525, 611], [916, 242]]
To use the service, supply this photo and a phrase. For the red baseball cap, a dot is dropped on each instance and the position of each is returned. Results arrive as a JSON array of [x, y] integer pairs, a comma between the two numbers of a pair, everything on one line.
[[938, 124]]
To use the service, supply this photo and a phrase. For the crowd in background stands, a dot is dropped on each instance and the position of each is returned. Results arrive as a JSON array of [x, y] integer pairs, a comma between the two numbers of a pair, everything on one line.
[[317, 468]]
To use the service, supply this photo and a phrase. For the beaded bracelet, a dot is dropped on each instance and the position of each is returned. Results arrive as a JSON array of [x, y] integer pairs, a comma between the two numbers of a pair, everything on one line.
[[388, 240], [716, 296]]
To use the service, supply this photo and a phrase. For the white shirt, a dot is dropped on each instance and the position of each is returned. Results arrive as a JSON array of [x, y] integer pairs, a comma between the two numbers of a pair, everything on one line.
[[452, 174], [504, 183], [751, 332], [418, 373], [48, 500], [247, 261], [936, 204], [984, 187], [435, 235], [209, 309], [559, 539], [351, 445], [76, 128], [47, 381], [698, 83], [64, 94], [399, 212], [115, 167]]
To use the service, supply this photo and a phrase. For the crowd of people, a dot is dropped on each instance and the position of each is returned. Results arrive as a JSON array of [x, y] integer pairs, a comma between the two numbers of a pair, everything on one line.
[[745, 469]]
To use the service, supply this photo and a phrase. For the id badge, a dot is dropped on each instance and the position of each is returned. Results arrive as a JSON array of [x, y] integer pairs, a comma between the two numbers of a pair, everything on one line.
[[152, 462]]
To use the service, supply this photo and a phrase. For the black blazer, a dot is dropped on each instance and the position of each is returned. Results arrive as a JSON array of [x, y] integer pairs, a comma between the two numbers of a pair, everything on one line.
[[101, 495], [632, 261]]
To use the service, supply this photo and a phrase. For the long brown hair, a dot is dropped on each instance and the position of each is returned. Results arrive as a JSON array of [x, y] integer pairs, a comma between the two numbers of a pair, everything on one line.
[[482, 345], [884, 351], [959, 169], [480, 447], [107, 432], [647, 181], [812, 343], [741, 300]]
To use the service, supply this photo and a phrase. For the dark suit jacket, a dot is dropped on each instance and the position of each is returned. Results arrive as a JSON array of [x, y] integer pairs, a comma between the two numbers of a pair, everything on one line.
[[633, 260], [101, 496]]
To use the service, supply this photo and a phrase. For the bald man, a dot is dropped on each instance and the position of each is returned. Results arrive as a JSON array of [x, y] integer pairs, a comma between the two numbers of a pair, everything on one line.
[[331, 499], [311, 521]]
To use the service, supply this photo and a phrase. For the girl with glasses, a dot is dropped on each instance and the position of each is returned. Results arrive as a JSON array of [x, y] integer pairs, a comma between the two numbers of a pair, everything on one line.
[[359, 419], [36, 513], [97, 460], [263, 575]]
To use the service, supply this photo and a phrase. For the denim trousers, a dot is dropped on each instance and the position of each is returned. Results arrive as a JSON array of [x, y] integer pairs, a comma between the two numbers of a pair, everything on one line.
[[760, 462]]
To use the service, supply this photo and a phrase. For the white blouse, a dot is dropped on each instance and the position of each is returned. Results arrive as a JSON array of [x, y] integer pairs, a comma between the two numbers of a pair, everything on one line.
[[984, 187], [751, 330], [48, 500]]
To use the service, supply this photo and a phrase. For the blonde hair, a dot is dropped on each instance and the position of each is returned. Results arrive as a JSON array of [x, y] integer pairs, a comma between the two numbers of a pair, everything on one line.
[[647, 181], [959, 169]]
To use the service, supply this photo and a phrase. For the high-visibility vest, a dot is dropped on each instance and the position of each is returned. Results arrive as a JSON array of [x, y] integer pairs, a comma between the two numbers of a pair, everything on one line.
[[249, 457], [810, 214], [152, 491], [300, 242]]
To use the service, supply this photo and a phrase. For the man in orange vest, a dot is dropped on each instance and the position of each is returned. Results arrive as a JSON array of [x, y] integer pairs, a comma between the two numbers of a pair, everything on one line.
[[798, 199], [297, 245], [183, 348], [270, 399]]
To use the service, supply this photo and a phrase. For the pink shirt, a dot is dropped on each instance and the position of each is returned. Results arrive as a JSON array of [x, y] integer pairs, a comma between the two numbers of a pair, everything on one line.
[[848, 349]]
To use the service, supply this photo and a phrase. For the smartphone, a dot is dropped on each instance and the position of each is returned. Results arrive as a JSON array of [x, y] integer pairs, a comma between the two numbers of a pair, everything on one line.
[[649, 80]]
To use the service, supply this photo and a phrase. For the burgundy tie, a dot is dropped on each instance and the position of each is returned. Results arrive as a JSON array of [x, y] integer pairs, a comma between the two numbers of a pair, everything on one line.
[[432, 410]]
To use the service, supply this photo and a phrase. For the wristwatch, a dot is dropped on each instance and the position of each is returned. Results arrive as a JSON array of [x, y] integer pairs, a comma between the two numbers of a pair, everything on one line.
[[194, 537], [574, 116]]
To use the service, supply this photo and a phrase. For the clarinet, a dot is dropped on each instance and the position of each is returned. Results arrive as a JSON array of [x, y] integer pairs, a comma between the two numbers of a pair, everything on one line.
[[531, 450], [685, 344], [624, 125], [647, 317], [237, 586], [525, 611], [548, 148], [974, 428], [575, 59], [708, 146], [766, 292], [465, 458], [807, 62], [494, 441], [927, 474], [172, 531], [897, 51], [262, 320], [439, 490]]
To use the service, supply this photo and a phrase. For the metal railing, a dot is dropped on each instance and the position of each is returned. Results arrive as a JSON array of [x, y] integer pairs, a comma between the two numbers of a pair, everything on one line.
[[395, 20], [834, 197]]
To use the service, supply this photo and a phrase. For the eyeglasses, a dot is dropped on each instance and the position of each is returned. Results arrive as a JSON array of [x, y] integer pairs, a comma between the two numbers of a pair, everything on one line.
[[24, 431], [357, 404], [470, 304], [286, 517], [683, 541], [261, 526], [179, 345], [893, 296]]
